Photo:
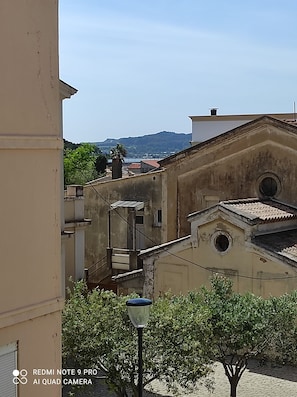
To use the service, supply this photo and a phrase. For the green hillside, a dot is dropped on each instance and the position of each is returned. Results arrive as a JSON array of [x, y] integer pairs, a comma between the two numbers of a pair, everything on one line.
[[159, 145]]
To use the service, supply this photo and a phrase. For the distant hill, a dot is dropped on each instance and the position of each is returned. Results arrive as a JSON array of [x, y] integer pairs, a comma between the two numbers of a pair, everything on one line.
[[70, 145], [159, 145]]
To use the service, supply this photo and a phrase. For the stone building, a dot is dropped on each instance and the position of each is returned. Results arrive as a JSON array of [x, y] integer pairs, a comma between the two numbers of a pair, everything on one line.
[[249, 161], [126, 217], [232, 210]]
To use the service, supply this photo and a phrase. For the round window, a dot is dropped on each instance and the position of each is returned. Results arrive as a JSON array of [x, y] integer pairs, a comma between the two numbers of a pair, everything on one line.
[[269, 186], [221, 243]]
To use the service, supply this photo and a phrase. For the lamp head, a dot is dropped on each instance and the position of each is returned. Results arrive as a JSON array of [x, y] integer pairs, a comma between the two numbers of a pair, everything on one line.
[[138, 310]]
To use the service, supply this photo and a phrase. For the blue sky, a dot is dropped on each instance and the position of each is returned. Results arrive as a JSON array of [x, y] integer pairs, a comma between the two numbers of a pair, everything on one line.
[[144, 66]]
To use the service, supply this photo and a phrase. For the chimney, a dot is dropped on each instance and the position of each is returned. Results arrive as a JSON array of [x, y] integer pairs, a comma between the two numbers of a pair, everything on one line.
[[213, 111]]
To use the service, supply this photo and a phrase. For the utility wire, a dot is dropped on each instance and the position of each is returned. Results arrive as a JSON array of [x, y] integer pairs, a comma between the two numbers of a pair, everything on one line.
[[184, 259]]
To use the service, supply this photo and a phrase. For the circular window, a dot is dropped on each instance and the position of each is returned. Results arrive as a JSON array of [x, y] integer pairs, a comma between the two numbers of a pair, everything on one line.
[[269, 186], [221, 243]]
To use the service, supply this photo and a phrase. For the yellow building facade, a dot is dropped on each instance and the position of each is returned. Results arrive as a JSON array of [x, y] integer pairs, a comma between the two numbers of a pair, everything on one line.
[[31, 287], [229, 166], [251, 241], [255, 160]]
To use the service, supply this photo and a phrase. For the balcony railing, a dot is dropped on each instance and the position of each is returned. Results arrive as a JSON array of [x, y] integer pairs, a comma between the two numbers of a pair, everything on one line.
[[122, 259]]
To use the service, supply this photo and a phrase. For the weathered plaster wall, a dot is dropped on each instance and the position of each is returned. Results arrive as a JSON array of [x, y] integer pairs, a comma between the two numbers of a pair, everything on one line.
[[229, 169], [250, 268], [99, 196]]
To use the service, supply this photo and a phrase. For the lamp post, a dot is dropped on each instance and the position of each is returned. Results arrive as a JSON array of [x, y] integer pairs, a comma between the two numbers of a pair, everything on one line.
[[138, 310]]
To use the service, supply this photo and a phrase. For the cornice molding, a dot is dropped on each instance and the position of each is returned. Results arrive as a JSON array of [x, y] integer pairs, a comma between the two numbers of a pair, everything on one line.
[[17, 142], [30, 312]]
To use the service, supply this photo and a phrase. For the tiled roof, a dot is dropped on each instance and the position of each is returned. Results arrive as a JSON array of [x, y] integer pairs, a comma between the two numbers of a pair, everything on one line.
[[282, 243], [152, 163], [134, 166], [263, 210]]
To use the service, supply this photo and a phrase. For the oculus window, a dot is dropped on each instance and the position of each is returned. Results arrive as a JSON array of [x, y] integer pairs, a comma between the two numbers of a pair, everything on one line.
[[221, 241], [269, 185]]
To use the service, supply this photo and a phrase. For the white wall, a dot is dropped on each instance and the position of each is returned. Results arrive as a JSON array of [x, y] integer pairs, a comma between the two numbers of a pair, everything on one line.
[[204, 130]]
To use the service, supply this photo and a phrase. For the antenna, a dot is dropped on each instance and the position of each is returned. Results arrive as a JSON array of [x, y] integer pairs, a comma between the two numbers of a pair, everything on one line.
[[294, 108]]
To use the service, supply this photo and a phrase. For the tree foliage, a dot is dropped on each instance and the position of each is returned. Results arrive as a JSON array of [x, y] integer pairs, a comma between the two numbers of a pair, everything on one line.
[[283, 344], [178, 335], [245, 326], [117, 154], [81, 164], [185, 335], [101, 163], [97, 333]]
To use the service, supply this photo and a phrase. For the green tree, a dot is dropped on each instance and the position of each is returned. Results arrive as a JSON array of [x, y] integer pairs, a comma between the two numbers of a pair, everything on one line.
[[79, 164], [283, 347], [243, 326], [179, 335], [97, 333], [185, 335], [117, 154], [101, 163], [70, 145]]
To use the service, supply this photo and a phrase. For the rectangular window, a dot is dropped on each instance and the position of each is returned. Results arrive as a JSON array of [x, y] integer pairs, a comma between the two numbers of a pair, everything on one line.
[[139, 219], [8, 363], [158, 218], [209, 201]]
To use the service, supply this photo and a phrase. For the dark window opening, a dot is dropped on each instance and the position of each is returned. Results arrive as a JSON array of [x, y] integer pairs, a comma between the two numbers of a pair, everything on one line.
[[268, 187], [222, 243], [159, 216], [139, 219]]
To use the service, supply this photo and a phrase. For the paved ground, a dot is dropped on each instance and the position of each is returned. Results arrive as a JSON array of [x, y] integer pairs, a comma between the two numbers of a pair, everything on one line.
[[264, 381]]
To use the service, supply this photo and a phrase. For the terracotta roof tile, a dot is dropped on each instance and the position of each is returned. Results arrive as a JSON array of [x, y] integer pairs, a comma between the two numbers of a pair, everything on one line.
[[134, 166], [152, 163], [282, 243], [264, 210]]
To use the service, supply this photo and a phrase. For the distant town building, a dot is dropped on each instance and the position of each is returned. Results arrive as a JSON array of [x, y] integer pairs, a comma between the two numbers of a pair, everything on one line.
[[143, 166]]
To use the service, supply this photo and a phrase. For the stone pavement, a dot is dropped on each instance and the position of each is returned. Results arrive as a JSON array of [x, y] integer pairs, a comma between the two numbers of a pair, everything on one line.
[[264, 381]]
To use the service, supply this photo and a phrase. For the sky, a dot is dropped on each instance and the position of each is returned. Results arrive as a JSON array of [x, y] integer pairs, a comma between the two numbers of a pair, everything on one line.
[[144, 66]]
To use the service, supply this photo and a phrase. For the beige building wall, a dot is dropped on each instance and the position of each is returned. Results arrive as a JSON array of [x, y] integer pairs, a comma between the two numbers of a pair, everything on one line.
[[31, 174], [98, 198], [189, 264], [74, 234], [229, 167]]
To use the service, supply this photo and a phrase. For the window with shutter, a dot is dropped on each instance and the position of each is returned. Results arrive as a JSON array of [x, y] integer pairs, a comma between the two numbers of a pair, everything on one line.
[[8, 363]]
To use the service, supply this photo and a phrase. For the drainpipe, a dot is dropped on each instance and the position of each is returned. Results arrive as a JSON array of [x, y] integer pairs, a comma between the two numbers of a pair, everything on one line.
[[134, 230]]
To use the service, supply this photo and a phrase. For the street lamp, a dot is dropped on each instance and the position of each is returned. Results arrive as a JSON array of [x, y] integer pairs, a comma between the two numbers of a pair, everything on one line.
[[138, 310]]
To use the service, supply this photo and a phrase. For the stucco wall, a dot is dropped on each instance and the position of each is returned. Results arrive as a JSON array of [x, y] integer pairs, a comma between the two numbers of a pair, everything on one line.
[[39, 346], [203, 130], [229, 168], [99, 196], [250, 268], [31, 174], [206, 127]]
